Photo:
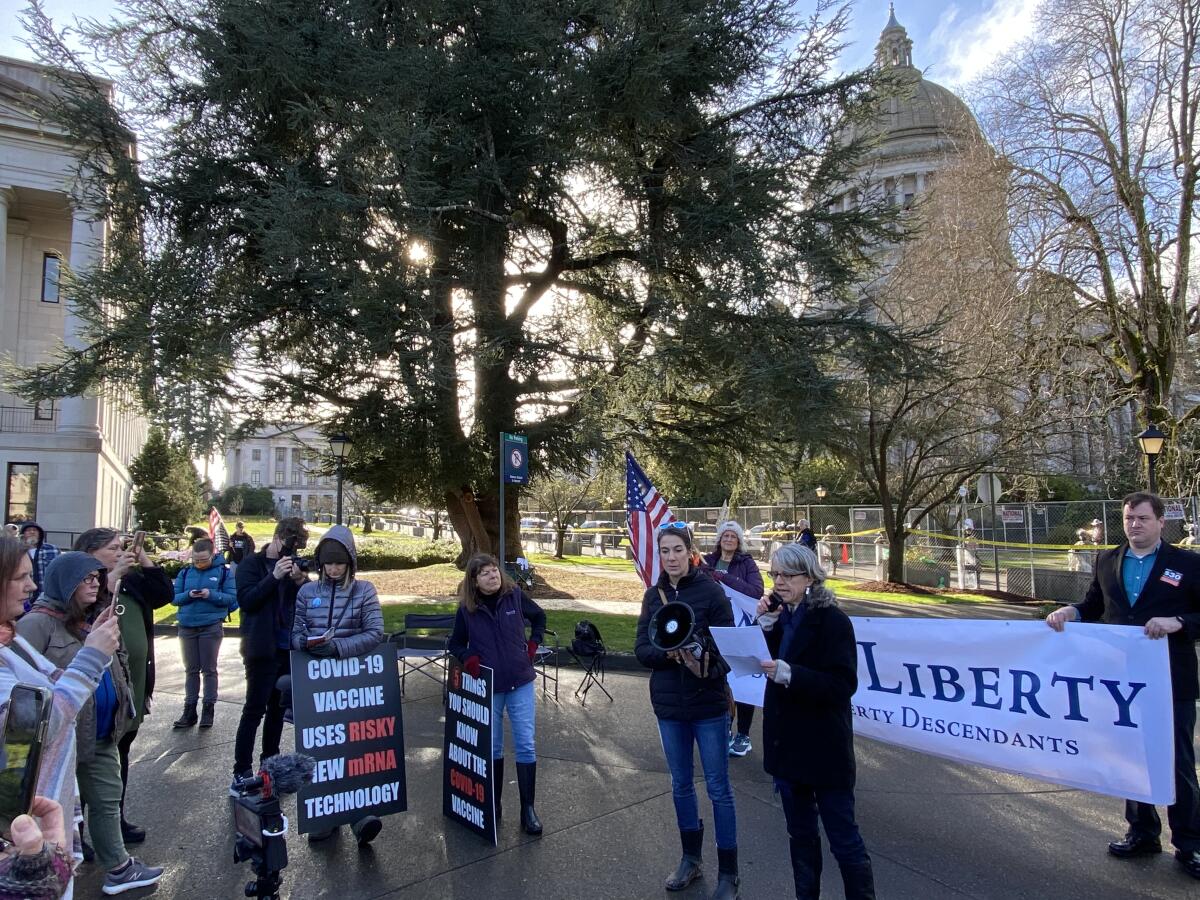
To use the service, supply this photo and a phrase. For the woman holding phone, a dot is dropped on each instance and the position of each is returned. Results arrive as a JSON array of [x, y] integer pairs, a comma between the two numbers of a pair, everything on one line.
[[59, 626], [144, 587], [808, 739], [21, 663]]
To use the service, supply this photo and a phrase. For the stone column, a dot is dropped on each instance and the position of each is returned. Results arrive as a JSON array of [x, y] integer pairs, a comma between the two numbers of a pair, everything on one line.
[[80, 415]]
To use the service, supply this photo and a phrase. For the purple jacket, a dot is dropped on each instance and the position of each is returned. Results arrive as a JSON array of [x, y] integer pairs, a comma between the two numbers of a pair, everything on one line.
[[743, 575]]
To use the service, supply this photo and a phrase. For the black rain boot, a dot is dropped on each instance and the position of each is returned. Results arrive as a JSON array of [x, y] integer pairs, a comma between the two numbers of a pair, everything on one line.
[[859, 881], [367, 829], [498, 783], [689, 869], [728, 883], [527, 785], [189, 717], [806, 868], [206, 715]]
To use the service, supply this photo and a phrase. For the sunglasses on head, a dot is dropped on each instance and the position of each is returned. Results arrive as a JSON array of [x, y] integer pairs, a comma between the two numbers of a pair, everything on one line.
[[673, 526]]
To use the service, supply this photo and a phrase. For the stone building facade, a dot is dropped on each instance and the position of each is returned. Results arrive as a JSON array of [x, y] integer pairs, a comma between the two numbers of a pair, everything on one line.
[[64, 463]]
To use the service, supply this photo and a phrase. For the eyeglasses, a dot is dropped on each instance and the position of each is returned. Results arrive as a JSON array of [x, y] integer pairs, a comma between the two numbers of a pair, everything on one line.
[[785, 576], [673, 526], [93, 578]]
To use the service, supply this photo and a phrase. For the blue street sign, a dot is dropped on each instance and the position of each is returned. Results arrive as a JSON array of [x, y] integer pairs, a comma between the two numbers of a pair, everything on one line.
[[515, 455]]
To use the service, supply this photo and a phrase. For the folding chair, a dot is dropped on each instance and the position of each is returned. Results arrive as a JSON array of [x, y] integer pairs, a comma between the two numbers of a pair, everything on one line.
[[589, 652], [547, 655], [430, 662]]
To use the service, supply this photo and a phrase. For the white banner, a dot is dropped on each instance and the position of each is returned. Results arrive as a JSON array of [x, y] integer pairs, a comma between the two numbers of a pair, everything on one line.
[[746, 688], [1088, 708]]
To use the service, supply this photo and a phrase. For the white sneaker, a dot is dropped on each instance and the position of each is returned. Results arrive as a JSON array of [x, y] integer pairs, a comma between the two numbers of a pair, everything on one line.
[[136, 874]]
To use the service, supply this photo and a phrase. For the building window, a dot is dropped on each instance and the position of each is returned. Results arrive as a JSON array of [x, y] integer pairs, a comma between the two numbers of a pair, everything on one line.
[[51, 265], [280, 454], [20, 496], [311, 501], [279, 476], [296, 475], [256, 477], [256, 456], [312, 478], [43, 411]]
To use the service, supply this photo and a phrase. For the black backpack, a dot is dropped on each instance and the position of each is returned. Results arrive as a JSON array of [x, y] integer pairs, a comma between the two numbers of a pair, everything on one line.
[[587, 639]]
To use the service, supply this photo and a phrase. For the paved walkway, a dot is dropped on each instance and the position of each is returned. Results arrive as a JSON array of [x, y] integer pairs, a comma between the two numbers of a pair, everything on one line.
[[936, 829]]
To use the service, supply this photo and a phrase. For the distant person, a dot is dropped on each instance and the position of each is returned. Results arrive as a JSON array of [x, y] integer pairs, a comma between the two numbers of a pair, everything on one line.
[[1079, 557], [338, 615], [807, 537], [732, 565], [143, 588], [41, 554], [808, 736], [267, 584], [489, 630], [58, 627], [1146, 583], [205, 595], [830, 549], [241, 545]]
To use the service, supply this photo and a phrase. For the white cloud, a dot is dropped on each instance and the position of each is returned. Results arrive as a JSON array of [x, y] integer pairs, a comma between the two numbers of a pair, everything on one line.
[[967, 45]]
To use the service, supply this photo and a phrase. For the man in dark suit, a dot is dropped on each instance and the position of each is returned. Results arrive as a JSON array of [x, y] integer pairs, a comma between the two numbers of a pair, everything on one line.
[[1147, 583]]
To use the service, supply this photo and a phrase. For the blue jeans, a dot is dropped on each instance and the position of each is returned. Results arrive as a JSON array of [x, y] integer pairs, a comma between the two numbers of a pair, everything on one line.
[[712, 737], [521, 715], [801, 806]]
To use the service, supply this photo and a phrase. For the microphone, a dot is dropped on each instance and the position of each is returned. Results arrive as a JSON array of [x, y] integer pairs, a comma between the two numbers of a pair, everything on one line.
[[285, 773]]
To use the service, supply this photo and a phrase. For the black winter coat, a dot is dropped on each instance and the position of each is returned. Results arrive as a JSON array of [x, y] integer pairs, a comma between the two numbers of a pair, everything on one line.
[[1106, 602], [808, 737], [267, 606], [675, 693]]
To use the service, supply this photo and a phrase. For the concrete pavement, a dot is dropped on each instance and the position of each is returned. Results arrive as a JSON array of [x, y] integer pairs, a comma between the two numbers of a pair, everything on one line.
[[934, 828]]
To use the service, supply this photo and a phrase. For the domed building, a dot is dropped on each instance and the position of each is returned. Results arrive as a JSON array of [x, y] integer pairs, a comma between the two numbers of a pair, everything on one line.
[[916, 133]]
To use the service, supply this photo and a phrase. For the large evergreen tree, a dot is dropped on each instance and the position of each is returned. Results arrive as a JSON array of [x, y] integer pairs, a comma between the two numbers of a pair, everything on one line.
[[596, 221], [166, 488]]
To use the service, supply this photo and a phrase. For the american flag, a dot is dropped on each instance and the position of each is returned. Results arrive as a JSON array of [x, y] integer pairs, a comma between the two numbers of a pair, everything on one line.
[[216, 531], [646, 509]]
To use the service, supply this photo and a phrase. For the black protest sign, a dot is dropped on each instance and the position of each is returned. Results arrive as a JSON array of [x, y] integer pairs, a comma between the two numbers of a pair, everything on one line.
[[467, 768], [347, 714]]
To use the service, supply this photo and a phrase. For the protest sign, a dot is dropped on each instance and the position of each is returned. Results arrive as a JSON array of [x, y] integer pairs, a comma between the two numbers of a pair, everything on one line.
[[1089, 708], [467, 786], [347, 717]]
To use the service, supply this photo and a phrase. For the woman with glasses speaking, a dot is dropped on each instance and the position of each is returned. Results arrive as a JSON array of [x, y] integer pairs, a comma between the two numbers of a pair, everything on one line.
[[691, 702], [808, 739]]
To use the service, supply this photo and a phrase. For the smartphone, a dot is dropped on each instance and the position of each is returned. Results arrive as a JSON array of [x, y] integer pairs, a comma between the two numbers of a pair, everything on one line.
[[25, 725], [139, 539]]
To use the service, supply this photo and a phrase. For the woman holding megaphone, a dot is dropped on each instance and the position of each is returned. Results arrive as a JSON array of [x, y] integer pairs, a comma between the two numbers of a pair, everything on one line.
[[691, 701], [808, 739]]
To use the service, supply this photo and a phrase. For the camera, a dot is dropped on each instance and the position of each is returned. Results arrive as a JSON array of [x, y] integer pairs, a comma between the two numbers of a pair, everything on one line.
[[260, 827], [290, 546]]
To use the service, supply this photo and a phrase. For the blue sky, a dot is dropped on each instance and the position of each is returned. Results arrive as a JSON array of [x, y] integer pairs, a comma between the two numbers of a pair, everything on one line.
[[954, 40]]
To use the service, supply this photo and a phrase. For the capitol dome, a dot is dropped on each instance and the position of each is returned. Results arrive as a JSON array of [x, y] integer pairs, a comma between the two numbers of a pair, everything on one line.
[[917, 132]]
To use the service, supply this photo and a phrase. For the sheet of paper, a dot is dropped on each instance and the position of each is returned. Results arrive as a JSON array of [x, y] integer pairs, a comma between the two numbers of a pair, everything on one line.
[[743, 648]]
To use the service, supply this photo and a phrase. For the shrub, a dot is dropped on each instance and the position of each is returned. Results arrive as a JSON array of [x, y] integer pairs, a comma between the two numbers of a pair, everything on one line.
[[390, 553]]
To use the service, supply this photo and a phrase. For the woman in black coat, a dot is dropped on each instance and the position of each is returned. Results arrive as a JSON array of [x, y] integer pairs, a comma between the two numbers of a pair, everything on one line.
[[808, 739], [690, 701]]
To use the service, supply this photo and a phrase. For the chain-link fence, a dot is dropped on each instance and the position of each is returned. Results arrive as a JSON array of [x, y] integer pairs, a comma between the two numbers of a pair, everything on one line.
[[1044, 550]]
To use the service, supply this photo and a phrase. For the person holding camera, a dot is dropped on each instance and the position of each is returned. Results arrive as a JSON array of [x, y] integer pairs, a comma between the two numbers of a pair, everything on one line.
[[205, 595], [338, 615], [71, 688], [143, 588], [808, 738], [489, 630], [691, 700], [267, 585], [58, 626]]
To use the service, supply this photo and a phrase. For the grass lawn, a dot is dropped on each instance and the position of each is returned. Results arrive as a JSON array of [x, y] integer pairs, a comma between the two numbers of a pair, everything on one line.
[[545, 559]]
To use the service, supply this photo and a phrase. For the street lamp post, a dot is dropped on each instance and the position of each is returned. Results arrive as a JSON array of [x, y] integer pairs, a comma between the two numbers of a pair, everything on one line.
[[821, 492], [339, 446], [1151, 441]]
